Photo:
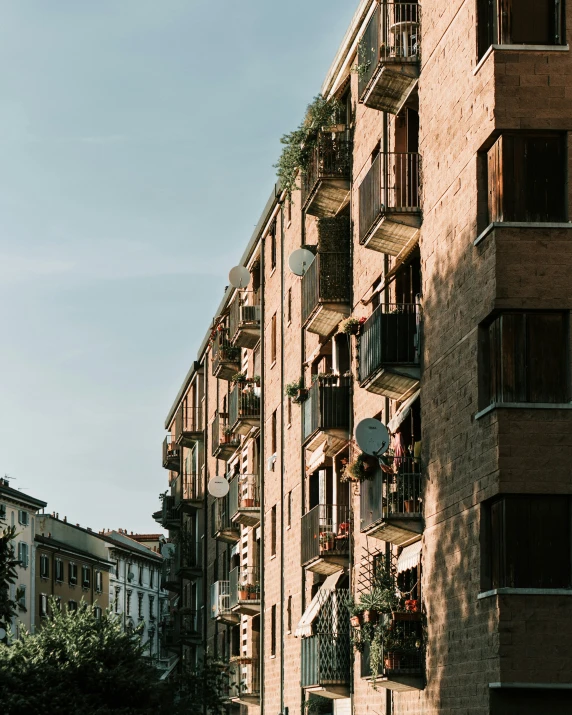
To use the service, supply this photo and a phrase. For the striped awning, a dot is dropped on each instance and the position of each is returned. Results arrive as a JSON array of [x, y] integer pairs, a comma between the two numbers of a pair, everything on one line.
[[402, 412], [409, 557], [304, 629]]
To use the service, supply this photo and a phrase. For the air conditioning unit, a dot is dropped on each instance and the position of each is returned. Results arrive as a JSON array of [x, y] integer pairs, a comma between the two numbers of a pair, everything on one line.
[[250, 314]]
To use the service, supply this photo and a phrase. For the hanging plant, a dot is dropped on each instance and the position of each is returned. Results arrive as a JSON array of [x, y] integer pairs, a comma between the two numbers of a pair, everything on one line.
[[238, 377], [362, 468], [296, 391], [299, 144], [351, 326]]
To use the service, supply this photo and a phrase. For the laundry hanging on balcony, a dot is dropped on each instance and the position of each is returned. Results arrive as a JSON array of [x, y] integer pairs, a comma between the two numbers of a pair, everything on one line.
[[401, 414], [305, 626], [409, 557]]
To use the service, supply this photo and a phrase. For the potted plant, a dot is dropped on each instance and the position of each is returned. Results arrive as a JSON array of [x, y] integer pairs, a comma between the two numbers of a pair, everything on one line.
[[243, 592], [256, 380], [351, 325], [327, 540], [356, 612], [296, 391], [238, 377], [363, 467]]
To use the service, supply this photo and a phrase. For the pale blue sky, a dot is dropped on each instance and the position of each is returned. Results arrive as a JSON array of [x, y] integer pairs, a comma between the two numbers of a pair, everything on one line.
[[137, 139]]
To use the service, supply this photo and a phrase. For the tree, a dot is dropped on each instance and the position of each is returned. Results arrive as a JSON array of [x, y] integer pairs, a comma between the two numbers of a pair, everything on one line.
[[8, 565], [203, 688], [78, 663]]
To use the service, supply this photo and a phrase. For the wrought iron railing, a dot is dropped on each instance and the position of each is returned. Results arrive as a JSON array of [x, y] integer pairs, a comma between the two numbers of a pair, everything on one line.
[[404, 656], [222, 435], [244, 311], [390, 336], [169, 512], [169, 572], [331, 158], [189, 554], [393, 34], [244, 493], [188, 422], [327, 280], [244, 585], [327, 655], [325, 532], [327, 405], [391, 183], [224, 352], [187, 487], [394, 491], [189, 624], [243, 404], [248, 675], [222, 522], [220, 599], [171, 453]]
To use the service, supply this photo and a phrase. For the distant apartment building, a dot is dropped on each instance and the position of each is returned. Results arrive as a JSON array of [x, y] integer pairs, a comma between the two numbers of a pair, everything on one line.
[[21, 511], [435, 300]]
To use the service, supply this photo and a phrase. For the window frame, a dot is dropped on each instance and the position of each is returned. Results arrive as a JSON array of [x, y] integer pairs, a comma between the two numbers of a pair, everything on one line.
[[44, 566], [72, 573]]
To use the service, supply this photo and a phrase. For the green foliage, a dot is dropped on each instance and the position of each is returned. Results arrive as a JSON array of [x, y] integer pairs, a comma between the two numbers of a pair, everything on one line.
[[80, 664], [317, 705], [362, 468], [203, 686], [299, 144], [8, 564], [292, 388]]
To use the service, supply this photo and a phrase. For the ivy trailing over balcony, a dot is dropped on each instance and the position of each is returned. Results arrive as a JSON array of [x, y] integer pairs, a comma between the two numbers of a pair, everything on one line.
[[299, 144]]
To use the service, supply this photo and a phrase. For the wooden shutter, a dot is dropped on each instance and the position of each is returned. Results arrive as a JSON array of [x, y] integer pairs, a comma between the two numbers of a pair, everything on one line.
[[546, 357], [528, 22], [495, 187]]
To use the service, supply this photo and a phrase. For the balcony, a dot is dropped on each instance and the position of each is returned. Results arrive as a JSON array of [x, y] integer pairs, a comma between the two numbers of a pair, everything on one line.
[[326, 181], [326, 288], [325, 538], [168, 634], [402, 662], [243, 408], [169, 578], [220, 603], [224, 529], [189, 426], [388, 56], [244, 500], [169, 513], [188, 490], [244, 320], [188, 555], [245, 689], [326, 656], [326, 412], [245, 591], [389, 203], [224, 441], [188, 626], [226, 357], [391, 502], [389, 350], [171, 454]]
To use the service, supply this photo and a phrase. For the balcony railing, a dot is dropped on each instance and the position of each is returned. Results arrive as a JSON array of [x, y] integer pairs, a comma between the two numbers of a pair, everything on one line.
[[390, 336], [189, 554], [224, 441], [224, 529], [325, 182], [226, 357], [171, 454], [403, 660], [244, 587], [247, 687], [392, 38], [169, 578], [188, 625], [188, 490], [325, 533], [244, 319], [390, 189], [327, 406], [326, 281], [243, 408], [188, 425], [220, 599], [169, 512], [244, 499]]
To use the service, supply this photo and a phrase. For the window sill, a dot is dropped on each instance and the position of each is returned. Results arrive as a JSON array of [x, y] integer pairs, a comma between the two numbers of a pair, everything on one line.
[[524, 406], [519, 224], [525, 592], [519, 48]]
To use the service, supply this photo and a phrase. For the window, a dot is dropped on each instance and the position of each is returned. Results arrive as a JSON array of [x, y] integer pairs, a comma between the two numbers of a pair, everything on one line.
[[59, 570], [72, 606], [289, 306], [527, 177], [289, 411], [525, 359], [23, 554], [518, 22], [43, 600], [23, 518], [273, 531], [116, 600], [98, 582], [44, 566], [140, 605], [273, 440], [273, 339], [151, 578], [526, 542], [72, 573], [21, 596], [141, 575], [289, 509], [97, 612], [289, 615], [273, 631], [3, 511], [85, 576], [272, 238], [128, 606], [151, 608], [288, 210]]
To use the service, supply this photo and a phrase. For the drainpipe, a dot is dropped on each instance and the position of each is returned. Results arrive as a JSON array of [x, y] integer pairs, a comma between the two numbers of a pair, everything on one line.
[[302, 450], [282, 539], [262, 453], [205, 502]]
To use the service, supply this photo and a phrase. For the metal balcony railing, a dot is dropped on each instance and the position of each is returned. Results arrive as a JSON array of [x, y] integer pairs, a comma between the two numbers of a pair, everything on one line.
[[244, 585], [249, 679], [392, 35], [244, 493], [393, 492], [243, 405], [325, 532], [189, 554], [224, 354], [327, 280], [403, 655], [390, 336], [169, 579], [223, 527], [188, 424], [223, 438], [169, 512], [171, 454], [220, 599], [189, 624], [327, 406], [244, 312], [331, 158], [390, 185]]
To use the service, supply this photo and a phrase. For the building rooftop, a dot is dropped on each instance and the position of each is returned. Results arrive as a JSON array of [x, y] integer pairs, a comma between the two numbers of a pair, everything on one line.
[[9, 492]]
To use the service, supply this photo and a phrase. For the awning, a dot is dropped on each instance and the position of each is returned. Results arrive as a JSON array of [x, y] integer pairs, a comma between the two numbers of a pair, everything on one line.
[[235, 549], [170, 669], [409, 557], [304, 628], [402, 412]]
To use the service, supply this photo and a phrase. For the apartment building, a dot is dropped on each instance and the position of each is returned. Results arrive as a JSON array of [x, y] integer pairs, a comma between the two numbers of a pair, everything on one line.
[[437, 302], [21, 511]]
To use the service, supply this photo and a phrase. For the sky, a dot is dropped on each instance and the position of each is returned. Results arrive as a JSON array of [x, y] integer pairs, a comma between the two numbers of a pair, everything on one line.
[[137, 143]]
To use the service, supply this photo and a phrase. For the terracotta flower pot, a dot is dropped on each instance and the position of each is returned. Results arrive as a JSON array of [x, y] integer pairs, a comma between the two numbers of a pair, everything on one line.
[[355, 622], [370, 616], [246, 503], [243, 595], [409, 506], [392, 661]]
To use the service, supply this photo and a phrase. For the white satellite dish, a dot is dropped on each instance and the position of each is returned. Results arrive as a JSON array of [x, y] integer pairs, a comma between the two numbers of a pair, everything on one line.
[[167, 550], [218, 487], [300, 260], [239, 277], [372, 437]]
